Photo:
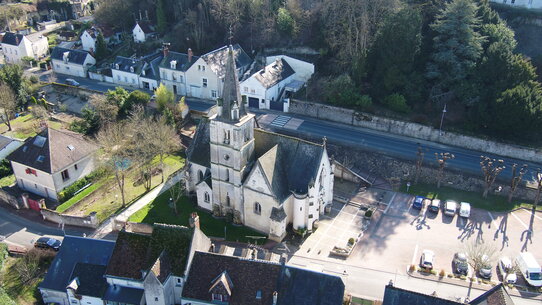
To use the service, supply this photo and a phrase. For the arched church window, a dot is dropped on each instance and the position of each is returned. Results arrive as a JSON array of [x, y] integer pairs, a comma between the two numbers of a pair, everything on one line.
[[228, 203], [200, 176], [257, 208], [206, 197], [226, 137]]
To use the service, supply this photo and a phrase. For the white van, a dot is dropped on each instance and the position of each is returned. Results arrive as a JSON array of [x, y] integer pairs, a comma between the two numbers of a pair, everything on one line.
[[530, 269], [464, 209]]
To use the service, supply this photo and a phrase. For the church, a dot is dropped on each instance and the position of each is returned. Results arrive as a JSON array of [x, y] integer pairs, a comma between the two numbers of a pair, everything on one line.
[[257, 178]]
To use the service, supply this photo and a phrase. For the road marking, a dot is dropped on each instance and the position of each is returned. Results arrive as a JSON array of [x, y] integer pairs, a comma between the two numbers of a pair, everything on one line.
[[414, 255], [534, 214], [493, 220], [522, 223], [330, 225], [280, 121]]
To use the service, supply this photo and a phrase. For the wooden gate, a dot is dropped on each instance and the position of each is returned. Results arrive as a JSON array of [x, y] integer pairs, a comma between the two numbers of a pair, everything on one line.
[[33, 204]]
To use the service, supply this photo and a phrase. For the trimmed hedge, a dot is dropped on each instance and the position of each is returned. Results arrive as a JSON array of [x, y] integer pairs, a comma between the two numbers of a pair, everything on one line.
[[80, 196], [70, 191]]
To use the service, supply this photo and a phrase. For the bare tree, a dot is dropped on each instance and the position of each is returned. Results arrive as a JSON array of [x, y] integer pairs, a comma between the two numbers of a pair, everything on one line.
[[165, 140], [442, 158], [420, 153], [491, 168], [116, 141], [480, 254], [516, 179], [107, 112], [538, 178], [143, 128], [8, 103], [177, 191]]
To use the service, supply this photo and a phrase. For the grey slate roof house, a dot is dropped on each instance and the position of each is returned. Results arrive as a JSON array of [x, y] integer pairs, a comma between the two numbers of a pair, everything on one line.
[[77, 272], [237, 281], [265, 180], [131, 71], [71, 62], [52, 161]]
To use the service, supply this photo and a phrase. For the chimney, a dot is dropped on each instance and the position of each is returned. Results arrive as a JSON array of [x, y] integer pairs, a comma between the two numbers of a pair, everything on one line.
[[165, 48], [140, 17], [146, 15], [190, 54], [275, 297], [194, 220]]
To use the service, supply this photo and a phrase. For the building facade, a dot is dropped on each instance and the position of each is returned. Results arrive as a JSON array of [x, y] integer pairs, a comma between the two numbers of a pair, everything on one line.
[[260, 179], [71, 62], [17, 46]]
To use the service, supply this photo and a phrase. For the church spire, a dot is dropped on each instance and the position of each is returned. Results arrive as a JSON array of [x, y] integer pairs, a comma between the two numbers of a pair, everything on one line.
[[233, 107]]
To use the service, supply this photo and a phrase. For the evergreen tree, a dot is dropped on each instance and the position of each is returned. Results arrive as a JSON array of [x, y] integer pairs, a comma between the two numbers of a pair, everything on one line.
[[457, 45], [393, 55], [161, 21], [101, 47]]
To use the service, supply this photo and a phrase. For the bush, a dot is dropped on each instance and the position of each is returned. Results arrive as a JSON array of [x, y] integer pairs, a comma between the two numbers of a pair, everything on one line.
[[442, 273], [351, 241], [412, 268], [70, 191], [364, 102], [5, 168], [3, 253], [397, 102], [433, 272], [369, 213]]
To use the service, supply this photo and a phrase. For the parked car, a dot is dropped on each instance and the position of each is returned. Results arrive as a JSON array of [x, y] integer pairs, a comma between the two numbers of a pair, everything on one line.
[[464, 209], [507, 270], [434, 206], [486, 268], [418, 202], [461, 266], [530, 269], [427, 259], [48, 243], [71, 81], [450, 208]]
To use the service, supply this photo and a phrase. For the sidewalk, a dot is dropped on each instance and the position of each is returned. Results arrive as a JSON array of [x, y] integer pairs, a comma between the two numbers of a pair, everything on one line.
[[107, 226]]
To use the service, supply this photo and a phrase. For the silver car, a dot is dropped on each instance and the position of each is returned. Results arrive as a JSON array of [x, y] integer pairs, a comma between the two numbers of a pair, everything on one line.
[[507, 270]]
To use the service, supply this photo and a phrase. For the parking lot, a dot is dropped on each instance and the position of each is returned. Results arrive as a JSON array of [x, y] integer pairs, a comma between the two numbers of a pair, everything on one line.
[[400, 235]]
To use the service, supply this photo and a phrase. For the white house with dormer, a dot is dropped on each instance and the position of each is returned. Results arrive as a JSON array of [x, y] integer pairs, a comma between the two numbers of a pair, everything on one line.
[[71, 62], [142, 31], [260, 179], [16, 46]]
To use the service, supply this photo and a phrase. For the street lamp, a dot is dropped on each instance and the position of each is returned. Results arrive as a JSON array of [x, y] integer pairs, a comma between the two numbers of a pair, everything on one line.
[[442, 119], [407, 186]]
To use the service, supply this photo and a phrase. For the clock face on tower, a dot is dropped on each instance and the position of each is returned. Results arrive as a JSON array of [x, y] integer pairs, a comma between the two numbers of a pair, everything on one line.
[[226, 157]]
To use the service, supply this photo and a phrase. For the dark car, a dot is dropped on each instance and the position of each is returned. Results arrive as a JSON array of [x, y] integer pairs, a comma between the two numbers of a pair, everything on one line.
[[461, 266], [418, 202], [48, 243]]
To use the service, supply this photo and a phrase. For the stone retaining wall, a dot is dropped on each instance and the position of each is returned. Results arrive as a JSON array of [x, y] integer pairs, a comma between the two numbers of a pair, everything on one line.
[[414, 130], [90, 221]]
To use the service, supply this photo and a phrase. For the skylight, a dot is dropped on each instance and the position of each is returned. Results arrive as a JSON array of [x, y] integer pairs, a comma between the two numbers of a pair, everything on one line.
[[70, 147], [39, 141], [40, 158], [25, 148]]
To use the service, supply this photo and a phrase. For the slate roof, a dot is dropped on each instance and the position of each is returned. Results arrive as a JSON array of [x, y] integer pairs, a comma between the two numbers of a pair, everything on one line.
[[182, 61], [246, 276], [278, 214], [12, 38], [217, 59], [274, 73], [199, 151], [125, 63], [4, 141], [75, 250], [145, 250], [91, 279], [58, 148], [297, 160], [306, 287], [494, 296], [75, 56], [231, 95], [162, 267], [152, 70], [291, 166], [126, 295], [145, 27], [398, 296]]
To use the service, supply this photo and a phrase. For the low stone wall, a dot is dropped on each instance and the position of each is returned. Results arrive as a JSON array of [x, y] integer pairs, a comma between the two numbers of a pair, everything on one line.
[[414, 130], [137, 227], [90, 221], [11, 200]]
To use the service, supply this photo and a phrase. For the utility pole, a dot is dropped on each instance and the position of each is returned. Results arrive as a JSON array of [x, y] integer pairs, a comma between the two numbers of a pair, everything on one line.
[[442, 119]]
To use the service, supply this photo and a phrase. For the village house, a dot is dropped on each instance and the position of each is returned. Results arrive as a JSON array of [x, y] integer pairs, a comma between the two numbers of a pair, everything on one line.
[[90, 37], [127, 71], [142, 31], [220, 279], [260, 179], [52, 161], [71, 62], [173, 68], [8, 145], [149, 79], [16, 46], [268, 87]]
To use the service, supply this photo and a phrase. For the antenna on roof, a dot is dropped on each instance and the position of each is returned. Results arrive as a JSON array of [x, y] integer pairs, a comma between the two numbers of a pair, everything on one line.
[[230, 35]]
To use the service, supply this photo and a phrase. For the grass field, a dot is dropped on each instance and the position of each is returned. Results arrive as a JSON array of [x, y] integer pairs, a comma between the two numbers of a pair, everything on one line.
[[106, 200], [159, 211], [7, 181], [491, 203], [26, 126]]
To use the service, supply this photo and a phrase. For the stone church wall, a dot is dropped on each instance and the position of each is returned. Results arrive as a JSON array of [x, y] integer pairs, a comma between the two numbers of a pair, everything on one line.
[[359, 119]]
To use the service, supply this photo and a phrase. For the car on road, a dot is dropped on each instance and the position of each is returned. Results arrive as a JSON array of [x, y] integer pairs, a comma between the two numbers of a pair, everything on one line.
[[434, 206], [427, 259], [418, 202], [72, 82], [464, 209], [450, 207], [48, 243], [507, 270], [460, 264], [485, 271]]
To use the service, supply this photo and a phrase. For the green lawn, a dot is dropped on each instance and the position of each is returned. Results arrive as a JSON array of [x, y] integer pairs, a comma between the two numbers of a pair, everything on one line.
[[7, 180], [491, 203], [106, 200], [160, 212], [26, 126], [80, 196]]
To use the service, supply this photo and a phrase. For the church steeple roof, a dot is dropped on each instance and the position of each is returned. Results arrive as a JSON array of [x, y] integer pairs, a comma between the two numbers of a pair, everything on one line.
[[231, 95]]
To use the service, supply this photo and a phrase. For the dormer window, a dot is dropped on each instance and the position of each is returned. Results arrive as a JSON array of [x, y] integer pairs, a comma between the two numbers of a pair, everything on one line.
[[65, 56], [173, 64], [144, 72], [132, 69], [117, 66]]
